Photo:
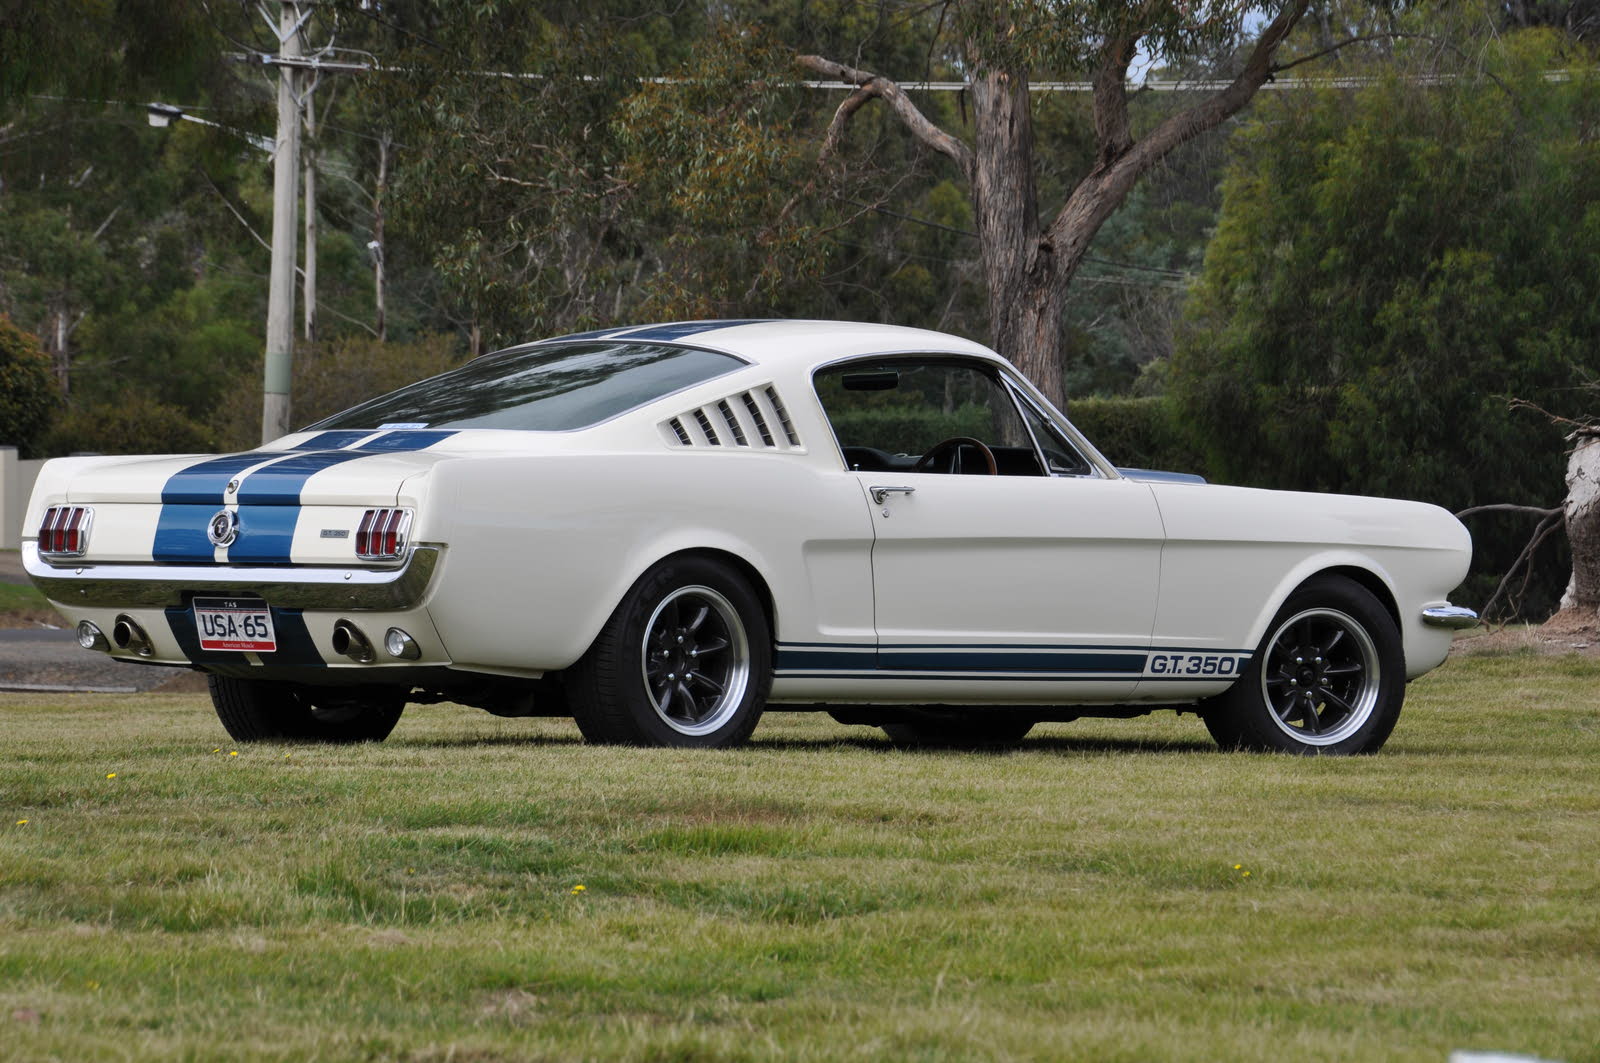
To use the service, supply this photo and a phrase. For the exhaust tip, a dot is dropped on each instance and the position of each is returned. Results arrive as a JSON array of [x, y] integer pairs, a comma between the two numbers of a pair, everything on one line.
[[128, 635], [348, 641]]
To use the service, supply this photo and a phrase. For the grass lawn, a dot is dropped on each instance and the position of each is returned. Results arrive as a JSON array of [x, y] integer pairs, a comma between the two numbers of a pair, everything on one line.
[[18, 598], [1106, 891]]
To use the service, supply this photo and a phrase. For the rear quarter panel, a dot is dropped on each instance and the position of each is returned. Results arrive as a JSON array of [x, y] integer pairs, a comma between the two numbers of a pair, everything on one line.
[[542, 548]]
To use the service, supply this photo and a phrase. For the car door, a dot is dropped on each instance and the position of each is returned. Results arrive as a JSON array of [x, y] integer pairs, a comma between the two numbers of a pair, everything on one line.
[[1034, 583]]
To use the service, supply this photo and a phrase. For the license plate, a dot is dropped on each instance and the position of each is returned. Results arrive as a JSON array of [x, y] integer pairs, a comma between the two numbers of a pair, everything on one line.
[[242, 625]]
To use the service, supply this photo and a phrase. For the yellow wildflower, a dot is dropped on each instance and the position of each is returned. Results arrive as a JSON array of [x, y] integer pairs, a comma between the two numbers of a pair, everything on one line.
[[111, 775], [233, 753], [579, 888], [22, 823]]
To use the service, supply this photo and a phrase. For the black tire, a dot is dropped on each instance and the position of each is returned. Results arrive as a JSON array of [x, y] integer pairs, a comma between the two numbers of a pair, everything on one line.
[[958, 730], [1328, 679], [685, 661], [255, 710]]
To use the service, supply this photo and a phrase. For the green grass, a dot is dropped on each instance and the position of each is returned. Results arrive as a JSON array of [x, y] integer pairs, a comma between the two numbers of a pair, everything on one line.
[[814, 896], [16, 598]]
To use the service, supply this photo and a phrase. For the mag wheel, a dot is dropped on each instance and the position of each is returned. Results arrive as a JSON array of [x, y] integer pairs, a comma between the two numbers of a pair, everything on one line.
[[685, 660], [1328, 678], [255, 710]]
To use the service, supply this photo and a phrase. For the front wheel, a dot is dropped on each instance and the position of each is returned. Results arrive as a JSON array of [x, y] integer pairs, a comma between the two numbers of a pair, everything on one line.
[[685, 660], [256, 710], [1329, 677]]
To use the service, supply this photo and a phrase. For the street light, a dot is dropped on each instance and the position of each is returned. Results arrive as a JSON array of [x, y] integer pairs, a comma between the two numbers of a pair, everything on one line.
[[162, 115]]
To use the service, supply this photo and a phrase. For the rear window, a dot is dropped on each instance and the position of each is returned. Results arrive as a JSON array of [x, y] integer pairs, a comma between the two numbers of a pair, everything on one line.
[[549, 388]]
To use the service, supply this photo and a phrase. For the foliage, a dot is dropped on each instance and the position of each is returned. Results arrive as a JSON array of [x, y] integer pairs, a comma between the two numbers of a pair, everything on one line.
[[136, 424], [1389, 268], [29, 397], [1138, 433], [1084, 894], [331, 376]]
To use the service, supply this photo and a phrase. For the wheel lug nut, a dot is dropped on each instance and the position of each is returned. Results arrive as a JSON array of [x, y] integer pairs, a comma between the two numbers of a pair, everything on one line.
[[1294, 682], [1299, 660]]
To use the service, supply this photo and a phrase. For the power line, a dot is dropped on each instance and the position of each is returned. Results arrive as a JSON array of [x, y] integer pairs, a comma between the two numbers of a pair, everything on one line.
[[1178, 85]]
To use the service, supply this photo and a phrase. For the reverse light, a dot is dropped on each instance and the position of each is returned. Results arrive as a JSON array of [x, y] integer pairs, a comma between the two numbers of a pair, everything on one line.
[[64, 531], [91, 637], [382, 534], [401, 645]]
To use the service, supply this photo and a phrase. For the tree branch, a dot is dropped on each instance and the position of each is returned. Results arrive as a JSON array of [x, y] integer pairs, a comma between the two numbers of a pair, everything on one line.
[[1507, 507], [1279, 68], [1109, 184], [869, 85], [1111, 133]]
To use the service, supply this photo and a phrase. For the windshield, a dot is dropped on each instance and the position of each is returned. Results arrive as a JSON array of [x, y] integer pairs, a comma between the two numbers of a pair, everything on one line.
[[548, 388]]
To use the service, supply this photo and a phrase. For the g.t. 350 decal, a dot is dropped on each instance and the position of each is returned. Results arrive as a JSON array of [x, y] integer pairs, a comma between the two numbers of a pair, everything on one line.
[[1185, 665]]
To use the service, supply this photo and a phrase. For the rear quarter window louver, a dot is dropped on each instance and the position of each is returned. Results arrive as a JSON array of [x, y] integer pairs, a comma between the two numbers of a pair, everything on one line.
[[753, 420]]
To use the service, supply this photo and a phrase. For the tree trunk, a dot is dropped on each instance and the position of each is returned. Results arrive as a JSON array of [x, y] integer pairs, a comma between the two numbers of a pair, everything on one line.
[[1583, 524], [63, 360], [379, 295], [1019, 266]]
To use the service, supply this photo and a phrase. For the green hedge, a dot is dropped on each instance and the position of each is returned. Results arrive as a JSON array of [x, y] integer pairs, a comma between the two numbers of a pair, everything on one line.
[[1138, 433]]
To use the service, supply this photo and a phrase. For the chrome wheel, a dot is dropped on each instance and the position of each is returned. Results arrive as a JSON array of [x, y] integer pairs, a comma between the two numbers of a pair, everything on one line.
[[1321, 676], [696, 660]]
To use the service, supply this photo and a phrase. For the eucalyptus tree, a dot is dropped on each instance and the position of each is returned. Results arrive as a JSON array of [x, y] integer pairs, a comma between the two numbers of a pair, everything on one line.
[[1031, 250]]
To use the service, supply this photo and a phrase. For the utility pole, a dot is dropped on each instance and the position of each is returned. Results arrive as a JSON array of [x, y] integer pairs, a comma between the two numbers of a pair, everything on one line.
[[292, 15], [308, 289]]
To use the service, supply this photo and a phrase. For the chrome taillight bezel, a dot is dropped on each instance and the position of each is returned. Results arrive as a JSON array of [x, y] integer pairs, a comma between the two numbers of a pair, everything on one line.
[[383, 534], [64, 531]]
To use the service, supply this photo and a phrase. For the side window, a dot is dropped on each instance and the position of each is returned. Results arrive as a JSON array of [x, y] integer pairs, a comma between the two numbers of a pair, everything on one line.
[[923, 416], [1060, 456]]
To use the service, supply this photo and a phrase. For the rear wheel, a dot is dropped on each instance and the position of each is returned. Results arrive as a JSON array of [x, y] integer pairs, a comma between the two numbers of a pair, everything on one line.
[[254, 710], [685, 660], [1329, 677]]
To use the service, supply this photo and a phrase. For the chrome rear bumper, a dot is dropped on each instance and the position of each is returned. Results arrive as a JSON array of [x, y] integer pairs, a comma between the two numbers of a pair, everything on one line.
[[1453, 617], [131, 586]]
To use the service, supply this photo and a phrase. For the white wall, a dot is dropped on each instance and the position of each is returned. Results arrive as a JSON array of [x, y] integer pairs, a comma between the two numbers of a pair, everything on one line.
[[16, 484]]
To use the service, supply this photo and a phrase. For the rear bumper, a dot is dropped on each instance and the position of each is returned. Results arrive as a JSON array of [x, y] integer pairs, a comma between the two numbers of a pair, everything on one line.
[[132, 586], [1450, 617]]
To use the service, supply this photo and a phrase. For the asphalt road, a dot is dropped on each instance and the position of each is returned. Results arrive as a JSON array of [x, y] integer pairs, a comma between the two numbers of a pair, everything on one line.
[[46, 660]]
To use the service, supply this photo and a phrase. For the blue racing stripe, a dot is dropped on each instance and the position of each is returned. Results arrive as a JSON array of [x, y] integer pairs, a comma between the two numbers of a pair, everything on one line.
[[842, 657], [205, 482], [342, 437], [181, 533], [407, 439], [592, 334], [295, 645], [685, 329], [280, 483], [266, 534], [984, 659]]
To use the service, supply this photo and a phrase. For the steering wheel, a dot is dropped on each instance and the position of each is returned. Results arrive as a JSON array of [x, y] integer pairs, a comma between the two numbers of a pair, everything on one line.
[[955, 443]]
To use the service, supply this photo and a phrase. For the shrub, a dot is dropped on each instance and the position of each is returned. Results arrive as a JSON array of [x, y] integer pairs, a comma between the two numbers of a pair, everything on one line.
[[1138, 433], [136, 425], [333, 376], [29, 398]]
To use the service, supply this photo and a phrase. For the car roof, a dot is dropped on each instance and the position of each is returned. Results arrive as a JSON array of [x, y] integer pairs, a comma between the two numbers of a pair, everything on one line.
[[790, 343]]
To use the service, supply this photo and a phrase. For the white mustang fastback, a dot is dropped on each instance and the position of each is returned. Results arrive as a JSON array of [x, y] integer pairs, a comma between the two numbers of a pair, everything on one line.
[[661, 530]]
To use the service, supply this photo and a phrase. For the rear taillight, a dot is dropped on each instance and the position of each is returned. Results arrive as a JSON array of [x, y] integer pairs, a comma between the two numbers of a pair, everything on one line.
[[64, 531], [382, 534]]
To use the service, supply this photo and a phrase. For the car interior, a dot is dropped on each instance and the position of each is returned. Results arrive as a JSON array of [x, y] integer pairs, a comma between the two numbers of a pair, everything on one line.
[[944, 415]]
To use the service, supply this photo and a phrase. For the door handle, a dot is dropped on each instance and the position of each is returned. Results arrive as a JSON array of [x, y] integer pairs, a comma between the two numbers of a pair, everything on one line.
[[881, 493]]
